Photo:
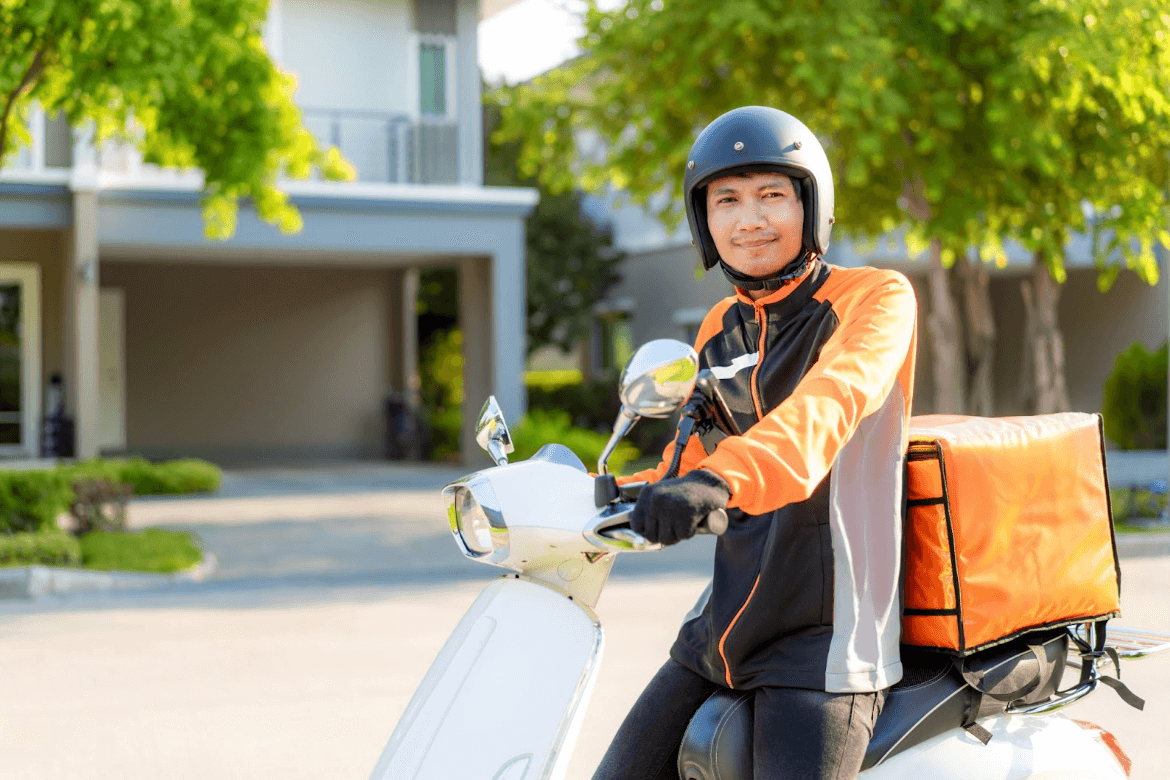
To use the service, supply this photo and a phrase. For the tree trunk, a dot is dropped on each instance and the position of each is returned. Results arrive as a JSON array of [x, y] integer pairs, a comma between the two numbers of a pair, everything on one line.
[[1042, 381], [946, 341], [981, 335]]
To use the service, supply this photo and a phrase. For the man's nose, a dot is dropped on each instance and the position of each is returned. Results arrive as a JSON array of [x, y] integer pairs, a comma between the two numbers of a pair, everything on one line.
[[751, 216]]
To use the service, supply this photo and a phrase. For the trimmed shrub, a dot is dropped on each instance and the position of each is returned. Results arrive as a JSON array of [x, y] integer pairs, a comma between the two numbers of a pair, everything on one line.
[[186, 475], [99, 505], [52, 547], [1135, 399], [32, 501], [538, 428]]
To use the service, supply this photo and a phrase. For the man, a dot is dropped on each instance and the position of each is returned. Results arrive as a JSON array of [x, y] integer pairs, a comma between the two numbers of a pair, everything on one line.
[[816, 363]]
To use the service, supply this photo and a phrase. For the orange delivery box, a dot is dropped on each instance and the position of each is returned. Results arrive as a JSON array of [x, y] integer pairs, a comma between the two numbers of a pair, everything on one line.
[[1008, 529]]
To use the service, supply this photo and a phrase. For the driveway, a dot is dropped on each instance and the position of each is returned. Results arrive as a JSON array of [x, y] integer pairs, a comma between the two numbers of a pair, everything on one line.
[[336, 592]]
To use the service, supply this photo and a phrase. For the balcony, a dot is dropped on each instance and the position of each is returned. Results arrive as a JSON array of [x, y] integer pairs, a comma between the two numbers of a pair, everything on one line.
[[390, 148], [382, 147]]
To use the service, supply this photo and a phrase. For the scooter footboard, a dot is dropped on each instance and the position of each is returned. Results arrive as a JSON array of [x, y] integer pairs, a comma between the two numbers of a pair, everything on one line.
[[505, 696]]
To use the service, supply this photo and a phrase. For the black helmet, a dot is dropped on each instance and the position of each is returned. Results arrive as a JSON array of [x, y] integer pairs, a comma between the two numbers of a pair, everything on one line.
[[758, 138]]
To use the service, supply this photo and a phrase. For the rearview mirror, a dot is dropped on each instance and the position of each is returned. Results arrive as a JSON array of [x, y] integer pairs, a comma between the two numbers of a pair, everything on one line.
[[491, 432], [657, 381], [659, 378]]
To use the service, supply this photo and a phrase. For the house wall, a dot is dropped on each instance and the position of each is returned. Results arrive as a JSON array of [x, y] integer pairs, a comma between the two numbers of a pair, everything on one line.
[[348, 54], [226, 361], [660, 283], [1096, 327], [47, 249]]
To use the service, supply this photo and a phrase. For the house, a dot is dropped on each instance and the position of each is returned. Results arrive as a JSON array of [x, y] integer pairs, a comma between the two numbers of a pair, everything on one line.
[[160, 342], [661, 296]]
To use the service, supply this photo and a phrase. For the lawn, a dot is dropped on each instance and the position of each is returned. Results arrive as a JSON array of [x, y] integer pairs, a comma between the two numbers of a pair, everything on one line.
[[152, 550]]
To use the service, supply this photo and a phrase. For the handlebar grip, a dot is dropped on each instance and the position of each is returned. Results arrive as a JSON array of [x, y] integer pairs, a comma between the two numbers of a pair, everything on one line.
[[715, 523]]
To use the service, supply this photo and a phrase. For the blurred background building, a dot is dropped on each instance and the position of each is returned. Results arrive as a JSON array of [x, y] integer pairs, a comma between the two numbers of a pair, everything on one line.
[[131, 332], [660, 296]]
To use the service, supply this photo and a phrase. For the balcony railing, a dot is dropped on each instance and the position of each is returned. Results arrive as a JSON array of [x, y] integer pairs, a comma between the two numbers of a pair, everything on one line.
[[392, 148], [51, 150], [383, 147]]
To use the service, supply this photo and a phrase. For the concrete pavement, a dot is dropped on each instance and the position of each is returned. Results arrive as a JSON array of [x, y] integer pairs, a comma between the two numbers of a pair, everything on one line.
[[334, 594]]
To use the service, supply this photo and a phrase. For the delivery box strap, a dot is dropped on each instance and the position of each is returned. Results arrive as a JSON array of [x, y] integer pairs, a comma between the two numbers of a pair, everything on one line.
[[1090, 654]]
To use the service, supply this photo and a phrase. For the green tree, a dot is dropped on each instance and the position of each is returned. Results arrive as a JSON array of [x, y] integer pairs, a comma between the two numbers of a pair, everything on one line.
[[965, 123], [571, 259], [188, 82]]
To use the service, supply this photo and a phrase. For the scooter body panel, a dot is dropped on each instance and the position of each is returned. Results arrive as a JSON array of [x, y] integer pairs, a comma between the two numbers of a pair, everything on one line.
[[1021, 748], [506, 694]]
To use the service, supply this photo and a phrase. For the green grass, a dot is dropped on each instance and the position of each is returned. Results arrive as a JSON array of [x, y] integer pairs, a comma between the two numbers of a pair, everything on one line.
[[551, 379], [152, 550]]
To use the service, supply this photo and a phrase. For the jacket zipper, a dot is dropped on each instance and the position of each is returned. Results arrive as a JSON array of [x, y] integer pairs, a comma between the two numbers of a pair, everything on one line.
[[759, 362], [759, 416]]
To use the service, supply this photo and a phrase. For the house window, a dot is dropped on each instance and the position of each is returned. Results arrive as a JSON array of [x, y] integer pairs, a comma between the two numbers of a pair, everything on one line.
[[432, 71]]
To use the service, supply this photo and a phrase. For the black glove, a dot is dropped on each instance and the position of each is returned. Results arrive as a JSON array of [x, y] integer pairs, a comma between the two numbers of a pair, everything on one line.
[[669, 510]]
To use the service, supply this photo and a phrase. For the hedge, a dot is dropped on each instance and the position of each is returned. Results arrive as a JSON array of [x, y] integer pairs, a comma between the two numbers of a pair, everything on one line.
[[186, 475], [51, 547], [33, 500]]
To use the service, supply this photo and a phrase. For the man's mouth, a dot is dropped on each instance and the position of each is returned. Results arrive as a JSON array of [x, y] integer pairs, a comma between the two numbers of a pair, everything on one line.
[[753, 243]]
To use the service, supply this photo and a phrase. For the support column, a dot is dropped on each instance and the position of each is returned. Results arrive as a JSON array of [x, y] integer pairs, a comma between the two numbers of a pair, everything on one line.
[[467, 93], [408, 327], [81, 323], [475, 322], [510, 322]]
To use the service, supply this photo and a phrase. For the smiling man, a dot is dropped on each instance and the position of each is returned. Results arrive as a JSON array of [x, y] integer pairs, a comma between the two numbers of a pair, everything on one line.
[[816, 363]]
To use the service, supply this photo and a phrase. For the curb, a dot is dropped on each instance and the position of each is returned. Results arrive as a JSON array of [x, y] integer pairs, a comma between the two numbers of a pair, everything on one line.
[[1137, 545], [28, 582]]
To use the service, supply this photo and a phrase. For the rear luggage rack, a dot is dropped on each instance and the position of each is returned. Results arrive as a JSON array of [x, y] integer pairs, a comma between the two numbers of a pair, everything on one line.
[[1129, 643], [1136, 643]]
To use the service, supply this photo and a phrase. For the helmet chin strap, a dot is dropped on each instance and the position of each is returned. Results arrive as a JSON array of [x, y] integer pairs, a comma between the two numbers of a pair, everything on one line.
[[771, 282]]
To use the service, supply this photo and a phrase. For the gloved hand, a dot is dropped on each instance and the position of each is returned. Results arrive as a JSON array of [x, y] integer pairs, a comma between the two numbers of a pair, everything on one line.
[[668, 510]]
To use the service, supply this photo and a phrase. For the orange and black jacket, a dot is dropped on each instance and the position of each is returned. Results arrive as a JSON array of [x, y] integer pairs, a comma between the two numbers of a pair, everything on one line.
[[806, 587]]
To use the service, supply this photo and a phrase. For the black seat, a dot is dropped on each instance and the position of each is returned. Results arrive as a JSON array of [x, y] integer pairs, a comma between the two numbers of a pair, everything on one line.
[[931, 699]]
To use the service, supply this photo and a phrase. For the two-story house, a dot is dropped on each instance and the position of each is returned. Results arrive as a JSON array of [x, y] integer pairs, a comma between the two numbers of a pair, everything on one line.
[[164, 343]]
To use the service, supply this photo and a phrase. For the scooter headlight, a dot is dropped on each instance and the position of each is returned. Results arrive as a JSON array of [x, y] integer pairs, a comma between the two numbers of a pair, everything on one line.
[[477, 525]]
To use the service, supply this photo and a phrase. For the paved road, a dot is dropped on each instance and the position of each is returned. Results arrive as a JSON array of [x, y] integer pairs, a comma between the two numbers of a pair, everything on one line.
[[297, 661]]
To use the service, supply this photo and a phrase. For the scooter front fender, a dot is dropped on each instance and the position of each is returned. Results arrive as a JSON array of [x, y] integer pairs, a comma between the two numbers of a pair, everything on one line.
[[505, 696]]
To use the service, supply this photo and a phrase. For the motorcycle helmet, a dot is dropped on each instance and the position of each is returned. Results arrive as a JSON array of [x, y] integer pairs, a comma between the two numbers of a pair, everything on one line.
[[760, 139]]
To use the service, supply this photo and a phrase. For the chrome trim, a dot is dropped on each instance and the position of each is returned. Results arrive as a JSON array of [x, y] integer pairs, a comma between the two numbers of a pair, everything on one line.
[[607, 531], [621, 427], [1134, 643], [1060, 699], [484, 494]]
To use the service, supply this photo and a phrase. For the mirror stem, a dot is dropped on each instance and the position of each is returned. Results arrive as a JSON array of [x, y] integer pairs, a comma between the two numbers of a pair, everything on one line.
[[625, 422], [497, 452]]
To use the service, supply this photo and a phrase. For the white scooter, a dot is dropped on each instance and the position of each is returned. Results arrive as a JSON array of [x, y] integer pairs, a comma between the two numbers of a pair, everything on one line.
[[505, 697]]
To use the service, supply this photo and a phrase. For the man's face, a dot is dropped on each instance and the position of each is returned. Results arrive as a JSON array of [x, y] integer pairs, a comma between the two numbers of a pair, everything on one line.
[[756, 221]]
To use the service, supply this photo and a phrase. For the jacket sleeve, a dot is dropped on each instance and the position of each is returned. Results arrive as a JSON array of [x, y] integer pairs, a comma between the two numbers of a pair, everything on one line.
[[693, 453], [782, 458]]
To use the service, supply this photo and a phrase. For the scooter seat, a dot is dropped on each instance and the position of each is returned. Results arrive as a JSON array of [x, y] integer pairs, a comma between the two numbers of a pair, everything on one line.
[[931, 699]]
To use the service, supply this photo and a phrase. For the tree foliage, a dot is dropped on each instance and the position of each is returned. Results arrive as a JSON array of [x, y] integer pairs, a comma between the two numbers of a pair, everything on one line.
[[571, 259], [967, 122], [188, 82]]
